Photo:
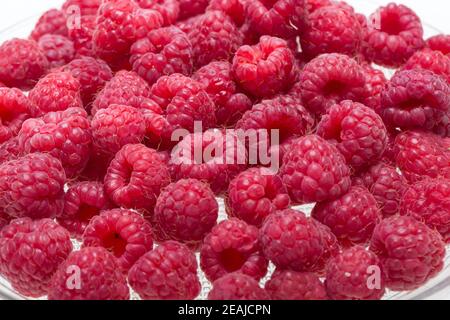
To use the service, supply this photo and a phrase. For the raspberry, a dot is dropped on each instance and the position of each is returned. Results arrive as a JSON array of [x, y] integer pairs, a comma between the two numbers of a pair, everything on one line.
[[59, 50], [440, 42], [124, 233], [279, 18], [409, 251], [52, 22], [292, 241], [330, 79], [252, 196], [235, 9], [57, 91], [386, 185], [375, 83], [82, 202], [127, 183], [190, 8], [331, 248], [65, 135], [32, 186], [86, 7], [186, 211], [264, 69], [232, 246], [352, 217], [291, 285], [30, 252], [348, 276], [115, 127], [398, 35], [99, 273], [162, 52], [169, 9], [332, 29], [82, 36], [167, 273], [421, 155], [356, 130], [22, 63], [237, 286], [429, 201], [14, 110], [414, 99], [217, 80], [314, 170], [428, 59]]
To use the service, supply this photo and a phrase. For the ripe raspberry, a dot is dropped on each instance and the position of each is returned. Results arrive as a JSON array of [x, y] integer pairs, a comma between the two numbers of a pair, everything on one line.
[[291, 285], [82, 202], [386, 185], [393, 36], [357, 132], [65, 135], [232, 246], [414, 99], [441, 43], [99, 273], [331, 248], [186, 211], [82, 36], [409, 251], [86, 7], [127, 183], [22, 63], [279, 18], [52, 22], [434, 61], [313, 170], [14, 110], [352, 217], [30, 252], [169, 9], [162, 52], [59, 50], [348, 276], [429, 201], [421, 155], [167, 273], [56, 91], [190, 8], [375, 83], [264, 69], [252, 196], [124, 233], [330, 79], [235, 9], [237, 286], [32, 186]]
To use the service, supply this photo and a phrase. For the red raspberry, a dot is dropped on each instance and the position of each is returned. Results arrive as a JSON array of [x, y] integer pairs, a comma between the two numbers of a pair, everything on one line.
[[252, 196], [386, 184], [82, 36], [115, 127], [375, 83], [356, 130], [352, 217], [314, 170], [65, 135], [124, 233], [32, 186], [409, 251], [440, 42], [59, 50], [232, 246], [235, 9], [414, 99], [421, 155], [348, 276], [169, 9], [167, 273], [100, 277], [186, 211], [393, 36], [291, 285], [428, 59], [82, 202], [57, 91], [279, 18], [22, 63], [86, 7], [127, 183], [14, 110], [217, 80], [30, 253], [237, 286], [429, 201], [330, 79], [264, 69], [53, 22], [190, 8], [162, 52], [331, 248], [292, 241]]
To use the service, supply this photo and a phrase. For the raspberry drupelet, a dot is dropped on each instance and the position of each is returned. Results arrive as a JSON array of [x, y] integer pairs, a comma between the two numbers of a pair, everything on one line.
[[15, 108], [59, 50], [237, 286], [291, 285], [53, 22]]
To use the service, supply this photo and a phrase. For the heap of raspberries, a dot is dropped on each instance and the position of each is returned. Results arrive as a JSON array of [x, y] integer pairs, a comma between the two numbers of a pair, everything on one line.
[[148, 147]]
